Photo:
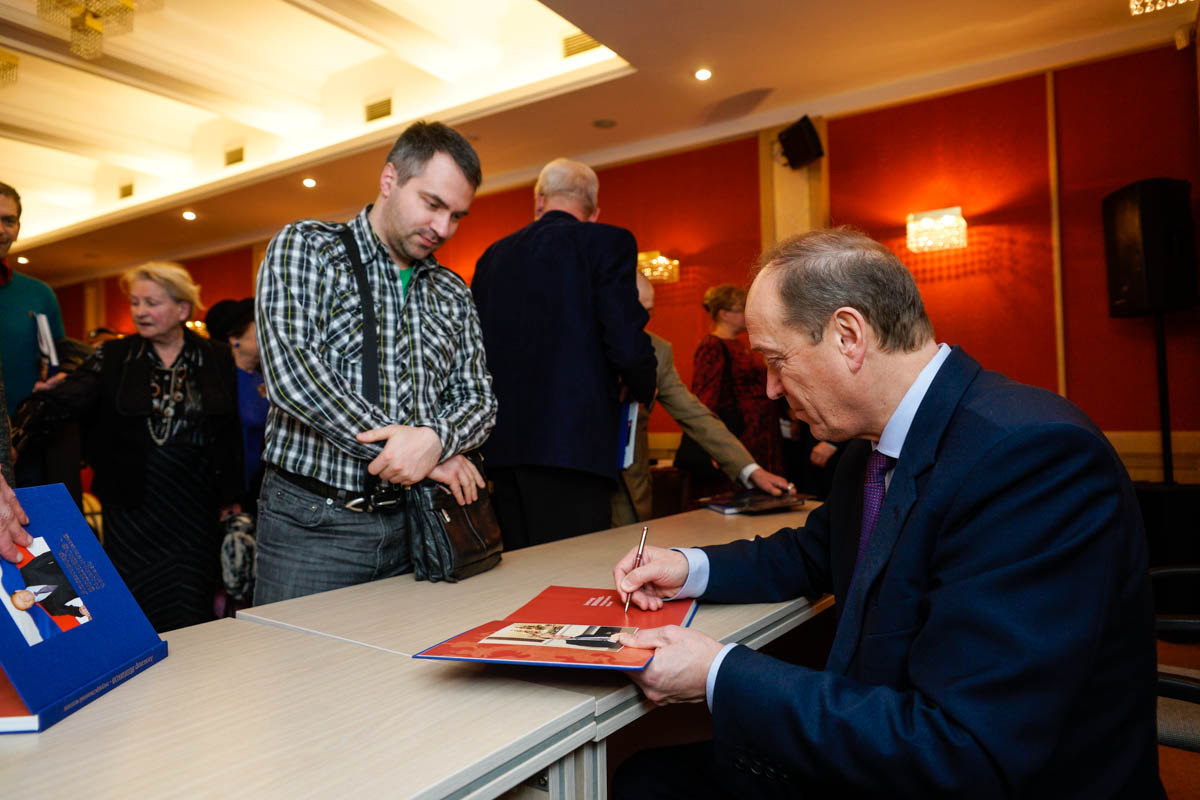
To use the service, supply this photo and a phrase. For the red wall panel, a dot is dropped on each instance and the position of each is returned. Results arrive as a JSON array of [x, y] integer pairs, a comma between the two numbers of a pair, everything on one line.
[[492, 217], [986, 151], [227, 275], [116, 307], [70, 302], [1119, 121], [223, 276], [701, 207]]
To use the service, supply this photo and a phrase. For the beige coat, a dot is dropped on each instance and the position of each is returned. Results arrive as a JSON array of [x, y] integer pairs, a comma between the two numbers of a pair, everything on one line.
[[632, 502]]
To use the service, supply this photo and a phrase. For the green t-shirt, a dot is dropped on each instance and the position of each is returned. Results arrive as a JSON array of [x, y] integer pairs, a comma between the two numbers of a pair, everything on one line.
[[18, 333]]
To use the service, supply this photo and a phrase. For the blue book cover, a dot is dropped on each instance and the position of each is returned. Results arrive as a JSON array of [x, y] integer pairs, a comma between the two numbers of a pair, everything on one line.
[[627, 437], [69, 629]]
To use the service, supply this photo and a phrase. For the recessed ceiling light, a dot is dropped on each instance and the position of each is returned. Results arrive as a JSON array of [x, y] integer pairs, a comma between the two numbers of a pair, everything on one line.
[[22, 260], [309, 183], [189, 215], [703, 74], [605, 123]]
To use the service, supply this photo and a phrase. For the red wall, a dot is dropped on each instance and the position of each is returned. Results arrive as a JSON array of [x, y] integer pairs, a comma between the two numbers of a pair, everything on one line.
[[986, 151], [70, 302], [701, 207], [228, 275], [1119, 121]]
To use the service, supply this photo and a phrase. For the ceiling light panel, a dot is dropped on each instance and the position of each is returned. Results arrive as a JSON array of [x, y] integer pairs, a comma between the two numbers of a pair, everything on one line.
[[287, 78]]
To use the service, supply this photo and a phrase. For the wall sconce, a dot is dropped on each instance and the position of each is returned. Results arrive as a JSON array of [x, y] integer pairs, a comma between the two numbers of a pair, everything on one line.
[[942, 229], [657, 267]]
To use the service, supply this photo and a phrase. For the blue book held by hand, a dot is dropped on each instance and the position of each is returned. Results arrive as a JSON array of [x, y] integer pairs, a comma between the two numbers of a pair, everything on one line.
[[70, 630]]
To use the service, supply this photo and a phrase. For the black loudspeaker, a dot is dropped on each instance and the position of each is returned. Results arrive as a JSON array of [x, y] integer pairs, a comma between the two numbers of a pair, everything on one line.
[[1149, 247], [801, 144]]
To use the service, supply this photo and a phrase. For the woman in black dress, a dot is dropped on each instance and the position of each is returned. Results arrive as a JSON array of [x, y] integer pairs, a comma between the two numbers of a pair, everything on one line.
[[158, 411]]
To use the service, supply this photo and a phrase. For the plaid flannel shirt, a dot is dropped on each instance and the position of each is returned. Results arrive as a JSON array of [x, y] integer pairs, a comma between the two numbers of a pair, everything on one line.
[[432, 371]]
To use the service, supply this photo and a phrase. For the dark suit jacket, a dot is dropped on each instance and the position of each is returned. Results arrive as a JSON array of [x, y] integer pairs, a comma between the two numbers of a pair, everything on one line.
[[44, 570], [561, 324], [998, 641]]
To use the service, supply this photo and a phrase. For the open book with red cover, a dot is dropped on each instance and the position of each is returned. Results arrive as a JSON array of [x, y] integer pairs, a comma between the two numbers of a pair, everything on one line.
[[564, 626]]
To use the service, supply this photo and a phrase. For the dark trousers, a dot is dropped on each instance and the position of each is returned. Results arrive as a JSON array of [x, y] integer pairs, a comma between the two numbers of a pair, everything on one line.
[[535, 505], [697, 771]]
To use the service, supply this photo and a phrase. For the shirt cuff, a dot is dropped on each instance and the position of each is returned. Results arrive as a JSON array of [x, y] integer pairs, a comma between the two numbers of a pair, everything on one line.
[[711, 682], [747, 471], [697, 579]]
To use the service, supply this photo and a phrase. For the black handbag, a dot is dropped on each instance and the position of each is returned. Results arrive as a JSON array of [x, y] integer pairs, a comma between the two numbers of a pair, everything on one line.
[[694, 459], [447, 542], [450, 542]]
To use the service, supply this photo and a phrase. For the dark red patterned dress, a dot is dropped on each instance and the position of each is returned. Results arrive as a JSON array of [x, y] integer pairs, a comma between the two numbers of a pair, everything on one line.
[[760, 413]]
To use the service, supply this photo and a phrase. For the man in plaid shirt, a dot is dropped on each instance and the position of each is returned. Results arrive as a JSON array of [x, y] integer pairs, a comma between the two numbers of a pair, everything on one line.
[[324, 439]]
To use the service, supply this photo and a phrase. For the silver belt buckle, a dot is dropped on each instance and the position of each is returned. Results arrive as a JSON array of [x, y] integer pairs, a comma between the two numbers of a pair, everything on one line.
[[358, 504], [385, 503]]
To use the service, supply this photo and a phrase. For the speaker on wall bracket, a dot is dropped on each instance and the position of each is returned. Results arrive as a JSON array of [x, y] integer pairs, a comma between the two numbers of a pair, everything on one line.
[[800, 144], [1150, 252]]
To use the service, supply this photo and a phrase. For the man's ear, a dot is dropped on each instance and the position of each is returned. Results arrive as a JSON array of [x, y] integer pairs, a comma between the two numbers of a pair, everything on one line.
[[539, 205], [387, 179], [850, 333], [595, 215]]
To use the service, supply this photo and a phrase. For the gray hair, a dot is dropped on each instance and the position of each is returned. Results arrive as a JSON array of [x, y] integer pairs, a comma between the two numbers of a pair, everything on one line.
[[421, 141], [175, 280], [824, 270], [563, 177]]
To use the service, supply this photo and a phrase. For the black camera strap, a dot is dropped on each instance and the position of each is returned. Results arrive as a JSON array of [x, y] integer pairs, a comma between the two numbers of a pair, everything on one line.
[[370, 351]]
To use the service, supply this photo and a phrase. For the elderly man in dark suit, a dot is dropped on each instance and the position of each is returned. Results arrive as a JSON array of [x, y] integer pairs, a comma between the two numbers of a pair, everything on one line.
[[562, 328], [983, 541]]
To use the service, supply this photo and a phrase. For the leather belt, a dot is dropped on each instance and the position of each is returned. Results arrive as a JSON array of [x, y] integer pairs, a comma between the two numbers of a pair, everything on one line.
[[389, 497]]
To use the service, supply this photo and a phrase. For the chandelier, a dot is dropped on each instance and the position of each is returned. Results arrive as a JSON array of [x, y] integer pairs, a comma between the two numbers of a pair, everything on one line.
[[1137, 7], [89, 20]]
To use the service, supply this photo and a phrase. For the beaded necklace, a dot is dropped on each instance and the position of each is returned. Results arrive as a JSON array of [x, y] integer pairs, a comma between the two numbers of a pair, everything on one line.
[[167, 390]]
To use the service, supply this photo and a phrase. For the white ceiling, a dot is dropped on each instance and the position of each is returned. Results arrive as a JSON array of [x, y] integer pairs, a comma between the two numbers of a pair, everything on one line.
[[287, 81]]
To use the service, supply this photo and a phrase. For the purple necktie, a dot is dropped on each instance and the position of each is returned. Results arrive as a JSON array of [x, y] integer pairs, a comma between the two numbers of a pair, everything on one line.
[[873, 490]]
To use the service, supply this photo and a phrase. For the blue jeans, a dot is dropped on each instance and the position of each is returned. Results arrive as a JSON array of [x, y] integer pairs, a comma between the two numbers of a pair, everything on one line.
[[309, 544]]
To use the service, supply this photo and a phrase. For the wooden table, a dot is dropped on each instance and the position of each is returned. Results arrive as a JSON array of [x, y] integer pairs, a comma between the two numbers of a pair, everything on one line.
[[246, 710], [404, 616]]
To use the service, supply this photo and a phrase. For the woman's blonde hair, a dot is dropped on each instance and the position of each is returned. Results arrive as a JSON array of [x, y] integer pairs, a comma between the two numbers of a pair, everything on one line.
[[725, 297], [175, 280]]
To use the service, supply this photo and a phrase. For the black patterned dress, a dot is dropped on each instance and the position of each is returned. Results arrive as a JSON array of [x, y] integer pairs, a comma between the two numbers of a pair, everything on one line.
[[167, 547], [166, 448]]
